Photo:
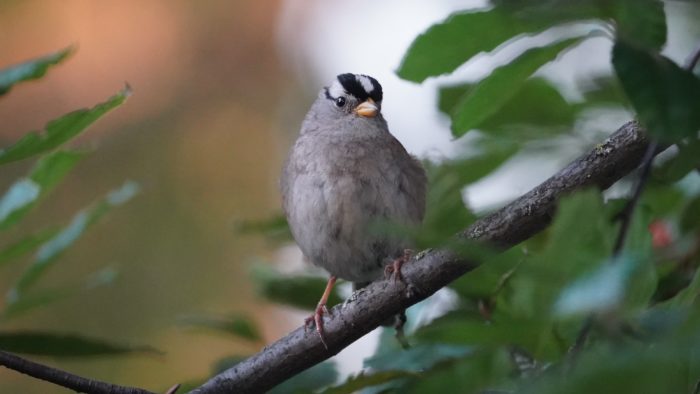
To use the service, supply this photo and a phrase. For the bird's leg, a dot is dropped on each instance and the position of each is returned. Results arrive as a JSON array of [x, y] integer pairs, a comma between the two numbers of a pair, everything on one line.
[[399, 322], [394, 269], [317, 317]]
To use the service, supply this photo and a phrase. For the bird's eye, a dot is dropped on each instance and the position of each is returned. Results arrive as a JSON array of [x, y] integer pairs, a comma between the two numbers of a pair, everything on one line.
[[340, 101]]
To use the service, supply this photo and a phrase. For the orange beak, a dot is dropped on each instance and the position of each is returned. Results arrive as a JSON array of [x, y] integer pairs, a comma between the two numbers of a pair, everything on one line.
[[368, 109]]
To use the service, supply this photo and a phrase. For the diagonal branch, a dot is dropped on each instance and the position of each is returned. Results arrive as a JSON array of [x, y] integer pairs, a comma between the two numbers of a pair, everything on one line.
[[369, 307], [63, 378]]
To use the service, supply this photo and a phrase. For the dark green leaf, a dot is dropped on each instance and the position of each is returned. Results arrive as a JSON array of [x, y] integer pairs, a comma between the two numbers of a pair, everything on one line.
[[459, 328], [476, 373], [312, 379], [537, 105], [225, 363], [493, 92], [416, 358], [446, 212], [25, 245], [302, 291], [54, 247], [580, 239], [599, 291], [602, 90], [364, 380], [490, 276], [640, 21], [26, 192], [63, 345], [689, 296], [31, 69], [61, 130], [662, 199], [236, 325], [274, 227], [649, 369], [447, 45], [665, 96], [690, 219], [675, 168]]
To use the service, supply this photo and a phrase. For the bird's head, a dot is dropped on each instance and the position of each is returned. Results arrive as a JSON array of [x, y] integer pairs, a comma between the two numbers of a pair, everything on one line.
[[354, 95]]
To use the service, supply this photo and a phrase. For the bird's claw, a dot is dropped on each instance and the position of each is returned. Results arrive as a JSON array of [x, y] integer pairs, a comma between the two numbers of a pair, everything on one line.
[[317, 320], [393, 270]]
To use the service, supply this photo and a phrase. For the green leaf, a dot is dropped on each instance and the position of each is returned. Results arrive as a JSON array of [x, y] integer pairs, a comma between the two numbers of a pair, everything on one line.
[[63, 345], [274, 227], [31, 69], [493, 92], [476, 373], [601, 90], [650, 369], [690, 219], [490, 276], [416, 358], [665, 96], [60, 130], [580, 239], [309, 381], [302, 291], [236, 325], [24, 194], [447, 45], [24, 245], [460, 328], [689, 296], [36, 300], [600, 291], [537, 106], [446, 212], [675, 168], [48, 253], [640, 21], [364, 380]]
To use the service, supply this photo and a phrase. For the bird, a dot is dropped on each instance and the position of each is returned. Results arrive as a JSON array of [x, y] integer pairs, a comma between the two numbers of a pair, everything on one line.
[[344, 174]]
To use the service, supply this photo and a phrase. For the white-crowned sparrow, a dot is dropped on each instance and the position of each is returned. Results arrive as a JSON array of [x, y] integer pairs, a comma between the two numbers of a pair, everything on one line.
[[345, 173]]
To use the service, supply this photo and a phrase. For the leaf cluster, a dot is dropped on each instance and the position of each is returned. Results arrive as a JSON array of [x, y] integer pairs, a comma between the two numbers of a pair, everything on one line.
[[41, 249]]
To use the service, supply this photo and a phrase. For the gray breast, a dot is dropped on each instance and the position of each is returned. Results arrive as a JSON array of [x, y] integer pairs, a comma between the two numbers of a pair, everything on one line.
[[335, 192]]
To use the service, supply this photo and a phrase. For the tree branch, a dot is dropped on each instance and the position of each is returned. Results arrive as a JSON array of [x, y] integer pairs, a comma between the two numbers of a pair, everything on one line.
[[369, 307], [63, 378]]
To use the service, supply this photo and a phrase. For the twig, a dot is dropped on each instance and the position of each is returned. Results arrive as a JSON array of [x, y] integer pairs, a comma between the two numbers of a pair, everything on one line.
[[369, 307], [63, 378], [628, 211], [580, 341]]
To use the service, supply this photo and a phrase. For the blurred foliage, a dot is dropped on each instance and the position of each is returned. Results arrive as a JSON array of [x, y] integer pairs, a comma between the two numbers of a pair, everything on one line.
[[519, 313], [236, 325], [60, 345], [491, 93], [32, 69], [53, 162], [302, 291]]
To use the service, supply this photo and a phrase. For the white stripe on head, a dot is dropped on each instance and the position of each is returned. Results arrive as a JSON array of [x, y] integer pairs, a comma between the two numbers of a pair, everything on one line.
[[365, 82], [336, 89]]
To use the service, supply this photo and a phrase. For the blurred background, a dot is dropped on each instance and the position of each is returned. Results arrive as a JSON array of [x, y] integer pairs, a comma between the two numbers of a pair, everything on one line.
[[220, 89]]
